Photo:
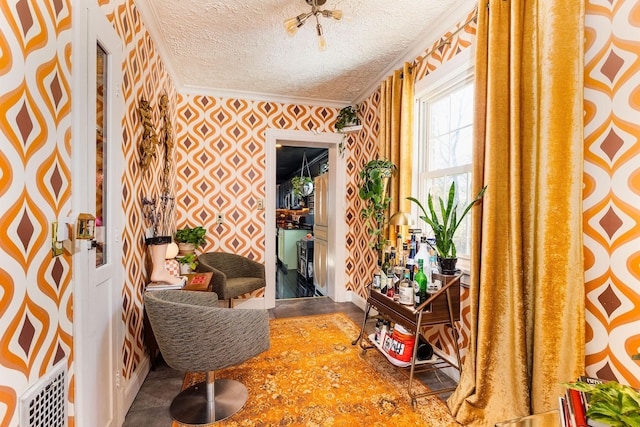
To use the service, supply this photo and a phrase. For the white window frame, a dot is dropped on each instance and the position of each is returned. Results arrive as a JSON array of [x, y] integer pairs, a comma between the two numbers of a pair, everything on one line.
[[445, 79]]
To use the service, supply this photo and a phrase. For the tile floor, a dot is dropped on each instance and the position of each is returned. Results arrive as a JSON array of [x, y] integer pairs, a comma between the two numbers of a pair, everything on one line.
[[151, 406]]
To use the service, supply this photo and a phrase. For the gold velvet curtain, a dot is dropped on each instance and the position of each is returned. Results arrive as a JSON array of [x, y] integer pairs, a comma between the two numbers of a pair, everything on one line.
[[396, 134], [527, 278]]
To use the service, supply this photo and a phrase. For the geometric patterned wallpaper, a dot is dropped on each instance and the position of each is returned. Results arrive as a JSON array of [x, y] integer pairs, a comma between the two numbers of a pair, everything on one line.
[[143, 75], [220, 162], [36, 301], [35, 189], [612, 189]]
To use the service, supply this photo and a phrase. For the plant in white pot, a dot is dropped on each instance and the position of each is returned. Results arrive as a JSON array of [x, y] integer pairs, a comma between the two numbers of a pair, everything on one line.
[[188, 263], [445, 224]]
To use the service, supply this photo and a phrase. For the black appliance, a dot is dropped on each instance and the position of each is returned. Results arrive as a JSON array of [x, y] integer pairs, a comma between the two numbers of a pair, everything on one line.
[[305, 284]]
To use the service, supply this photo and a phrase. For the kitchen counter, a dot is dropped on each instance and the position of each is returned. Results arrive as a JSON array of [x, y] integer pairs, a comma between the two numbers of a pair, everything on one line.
[[287, 246]]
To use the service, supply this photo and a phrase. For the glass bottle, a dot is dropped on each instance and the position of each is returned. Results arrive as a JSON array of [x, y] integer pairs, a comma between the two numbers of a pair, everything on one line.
[[406, 289], [423, 252], [377, 277], [383, 273], [421, 282]]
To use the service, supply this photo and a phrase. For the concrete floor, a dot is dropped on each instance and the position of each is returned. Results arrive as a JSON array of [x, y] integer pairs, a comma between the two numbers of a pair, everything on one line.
[[151, 406]]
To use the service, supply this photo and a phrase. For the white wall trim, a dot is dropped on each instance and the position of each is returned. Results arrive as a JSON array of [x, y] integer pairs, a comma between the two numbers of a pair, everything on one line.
[[135, 383], [337, 203]]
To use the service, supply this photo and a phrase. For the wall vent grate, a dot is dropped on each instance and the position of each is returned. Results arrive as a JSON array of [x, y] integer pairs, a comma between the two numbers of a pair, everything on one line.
[[44, 404]]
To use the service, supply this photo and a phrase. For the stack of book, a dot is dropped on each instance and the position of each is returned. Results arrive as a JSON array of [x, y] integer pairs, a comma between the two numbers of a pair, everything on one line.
[[157, 286], [574, 404]]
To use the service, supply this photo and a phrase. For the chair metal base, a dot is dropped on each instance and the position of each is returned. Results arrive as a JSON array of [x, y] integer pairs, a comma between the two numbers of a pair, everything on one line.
[[191, 405]]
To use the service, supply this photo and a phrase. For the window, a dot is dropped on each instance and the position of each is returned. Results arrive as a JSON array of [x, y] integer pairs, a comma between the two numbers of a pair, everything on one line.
[[445, 149]]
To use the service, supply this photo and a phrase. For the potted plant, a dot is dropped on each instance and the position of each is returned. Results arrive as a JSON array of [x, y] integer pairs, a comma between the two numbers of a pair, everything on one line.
[[347, 117], [374, 180], [302, 185], [445, 225], [610, 403], [190, 239], [188, 263]]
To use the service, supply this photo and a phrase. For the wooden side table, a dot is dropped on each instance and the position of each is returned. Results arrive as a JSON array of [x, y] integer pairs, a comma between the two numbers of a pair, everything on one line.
[[195, 282]]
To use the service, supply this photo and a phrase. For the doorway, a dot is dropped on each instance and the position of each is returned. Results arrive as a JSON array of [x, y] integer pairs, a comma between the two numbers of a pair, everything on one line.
[[336, 206], [296, 219]]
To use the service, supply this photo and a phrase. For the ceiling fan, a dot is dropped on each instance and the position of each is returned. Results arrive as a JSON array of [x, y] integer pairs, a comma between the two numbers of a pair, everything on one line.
[[292, 24]]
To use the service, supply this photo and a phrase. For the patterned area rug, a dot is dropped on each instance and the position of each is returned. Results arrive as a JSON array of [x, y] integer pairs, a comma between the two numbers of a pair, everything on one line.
[[313, 376]]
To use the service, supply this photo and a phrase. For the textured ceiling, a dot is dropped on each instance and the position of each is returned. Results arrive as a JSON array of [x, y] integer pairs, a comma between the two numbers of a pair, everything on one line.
[[233, 48]]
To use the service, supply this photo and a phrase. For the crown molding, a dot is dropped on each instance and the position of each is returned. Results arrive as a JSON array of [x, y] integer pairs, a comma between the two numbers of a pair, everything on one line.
[[151, 23], [260, 96]]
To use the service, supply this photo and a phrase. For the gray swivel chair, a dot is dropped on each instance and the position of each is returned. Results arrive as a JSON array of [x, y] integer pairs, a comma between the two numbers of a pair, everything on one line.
[[233, 275], [194, 335]]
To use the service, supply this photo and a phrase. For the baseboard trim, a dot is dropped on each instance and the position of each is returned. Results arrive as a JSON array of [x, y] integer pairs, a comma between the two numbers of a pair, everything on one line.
[[134, 385]]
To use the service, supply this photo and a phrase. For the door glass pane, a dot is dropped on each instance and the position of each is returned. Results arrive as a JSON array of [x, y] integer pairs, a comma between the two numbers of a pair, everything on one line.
[[101, 159]]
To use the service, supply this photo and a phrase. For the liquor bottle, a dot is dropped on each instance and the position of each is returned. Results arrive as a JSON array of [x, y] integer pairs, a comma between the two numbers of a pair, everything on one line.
[[410, 261], [405, 255], [383, 272], [421, 282], [405, 288], [377, 277], [392, 256]]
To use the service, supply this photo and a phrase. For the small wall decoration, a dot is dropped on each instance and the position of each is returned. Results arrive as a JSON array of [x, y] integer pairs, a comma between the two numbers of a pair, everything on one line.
[[149, 136], [166, 139]]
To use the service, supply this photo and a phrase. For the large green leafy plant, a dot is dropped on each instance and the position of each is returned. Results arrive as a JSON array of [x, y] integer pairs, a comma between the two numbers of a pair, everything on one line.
[[374, 177], [612, 403], [447, 222]]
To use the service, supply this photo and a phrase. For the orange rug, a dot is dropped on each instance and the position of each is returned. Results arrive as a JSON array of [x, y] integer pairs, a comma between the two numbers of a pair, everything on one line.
[[313, 376]]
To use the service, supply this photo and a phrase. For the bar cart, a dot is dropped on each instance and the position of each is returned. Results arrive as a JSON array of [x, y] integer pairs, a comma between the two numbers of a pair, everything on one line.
[[443, 307]]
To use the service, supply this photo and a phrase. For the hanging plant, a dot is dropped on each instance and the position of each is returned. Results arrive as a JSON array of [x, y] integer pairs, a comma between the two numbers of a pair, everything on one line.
[[374, 178], [302, 185]]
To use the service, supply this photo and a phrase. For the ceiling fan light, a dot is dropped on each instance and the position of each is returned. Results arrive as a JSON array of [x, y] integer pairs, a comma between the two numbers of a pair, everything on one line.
[[322, 43], [336, 14]]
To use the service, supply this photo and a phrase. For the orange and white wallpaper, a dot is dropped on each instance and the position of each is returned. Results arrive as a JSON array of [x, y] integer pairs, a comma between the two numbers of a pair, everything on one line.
[[35, 190], [144, 75], [221, 165], [612, 189]]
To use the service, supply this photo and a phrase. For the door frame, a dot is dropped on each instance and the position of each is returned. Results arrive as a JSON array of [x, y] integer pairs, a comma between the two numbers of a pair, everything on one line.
[[336, 201], [91, 26]]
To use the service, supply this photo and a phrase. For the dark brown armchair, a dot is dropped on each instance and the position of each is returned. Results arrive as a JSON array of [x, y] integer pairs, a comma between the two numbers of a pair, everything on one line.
[[233, 275]]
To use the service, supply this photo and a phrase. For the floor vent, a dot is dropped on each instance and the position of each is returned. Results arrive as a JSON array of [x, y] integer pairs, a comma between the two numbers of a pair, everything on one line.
[[44, 404]]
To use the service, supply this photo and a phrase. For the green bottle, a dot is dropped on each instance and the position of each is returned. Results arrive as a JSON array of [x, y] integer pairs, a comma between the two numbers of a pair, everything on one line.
[[420, 280]]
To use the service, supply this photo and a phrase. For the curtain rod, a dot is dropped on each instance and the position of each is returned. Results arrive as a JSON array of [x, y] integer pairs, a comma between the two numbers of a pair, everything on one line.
[[416, 62]]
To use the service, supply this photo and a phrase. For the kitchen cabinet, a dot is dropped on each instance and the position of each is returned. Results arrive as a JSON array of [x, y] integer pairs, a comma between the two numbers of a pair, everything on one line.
[[288, 246]]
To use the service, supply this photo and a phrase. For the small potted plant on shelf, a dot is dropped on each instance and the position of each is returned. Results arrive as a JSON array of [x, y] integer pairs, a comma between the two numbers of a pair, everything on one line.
[[190, 239], [188, 263], [347, 118], [374, 181], [445, 225]]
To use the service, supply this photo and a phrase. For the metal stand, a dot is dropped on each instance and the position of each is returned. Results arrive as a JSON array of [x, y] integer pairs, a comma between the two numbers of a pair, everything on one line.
[[209, 402], [442, 307]]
